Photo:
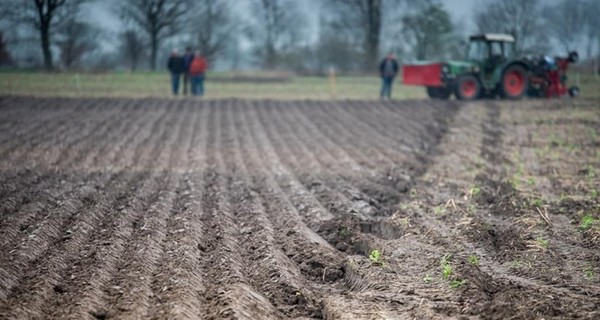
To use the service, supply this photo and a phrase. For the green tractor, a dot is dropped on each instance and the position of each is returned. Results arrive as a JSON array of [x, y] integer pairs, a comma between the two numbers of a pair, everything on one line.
[[490, 69]]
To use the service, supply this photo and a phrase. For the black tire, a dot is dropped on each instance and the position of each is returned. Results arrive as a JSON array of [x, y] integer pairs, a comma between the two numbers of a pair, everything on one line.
[[574, 91], [442, 93], [514, 83], [467, 88]]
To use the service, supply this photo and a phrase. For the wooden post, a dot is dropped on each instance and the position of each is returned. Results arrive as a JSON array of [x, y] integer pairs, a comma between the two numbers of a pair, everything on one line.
[[332, 88]]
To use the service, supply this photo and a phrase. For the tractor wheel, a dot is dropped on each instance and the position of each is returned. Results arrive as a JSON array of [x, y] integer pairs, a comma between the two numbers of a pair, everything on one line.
[[514, 82], [468, 88], [438, 93]]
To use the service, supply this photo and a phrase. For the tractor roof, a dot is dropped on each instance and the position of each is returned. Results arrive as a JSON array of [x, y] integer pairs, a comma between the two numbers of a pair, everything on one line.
[[493, 37]]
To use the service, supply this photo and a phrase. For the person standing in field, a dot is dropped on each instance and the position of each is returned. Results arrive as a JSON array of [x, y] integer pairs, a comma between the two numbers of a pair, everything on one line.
[[388, 69], [188, 56], [175, 66], [197, 72]]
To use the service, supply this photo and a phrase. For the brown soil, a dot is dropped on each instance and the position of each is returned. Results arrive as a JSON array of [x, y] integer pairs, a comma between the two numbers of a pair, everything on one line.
[[234, 209]]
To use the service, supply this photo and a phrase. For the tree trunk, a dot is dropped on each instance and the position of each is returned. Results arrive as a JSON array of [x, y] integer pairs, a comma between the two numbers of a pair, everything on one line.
[[373, 34], [45, 36], [154, 44]]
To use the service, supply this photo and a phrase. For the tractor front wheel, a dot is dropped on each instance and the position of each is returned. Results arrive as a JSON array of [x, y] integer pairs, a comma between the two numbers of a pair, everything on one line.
[[468, 88], [442, 93], [514, 82]]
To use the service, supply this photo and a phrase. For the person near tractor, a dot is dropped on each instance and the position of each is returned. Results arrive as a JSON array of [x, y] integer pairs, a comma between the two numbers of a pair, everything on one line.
[[188, 56], [388, 69], [175, 66], [197, 70]]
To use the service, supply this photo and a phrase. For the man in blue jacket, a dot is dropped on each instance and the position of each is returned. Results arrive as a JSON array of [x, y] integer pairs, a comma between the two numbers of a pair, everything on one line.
[[388, 69]]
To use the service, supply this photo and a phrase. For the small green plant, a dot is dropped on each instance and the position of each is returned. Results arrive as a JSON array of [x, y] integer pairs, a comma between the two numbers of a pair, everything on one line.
[[531, 181], [537, 203], [589, 273], [594, 194], [427, 278], [405, 222], [586, 222], [474, 191], [542, 242], [446, 267], [439, 210], [563, 197], [457, 283], [591, 173], [413, 193], [516, 264], [474, 260], [375, 256]]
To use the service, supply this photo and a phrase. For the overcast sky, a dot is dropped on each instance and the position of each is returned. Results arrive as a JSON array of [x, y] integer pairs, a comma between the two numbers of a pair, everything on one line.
[[100, 12]]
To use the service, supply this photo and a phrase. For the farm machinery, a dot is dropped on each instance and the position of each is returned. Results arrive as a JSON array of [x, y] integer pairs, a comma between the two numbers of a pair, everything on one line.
[[491, 69]]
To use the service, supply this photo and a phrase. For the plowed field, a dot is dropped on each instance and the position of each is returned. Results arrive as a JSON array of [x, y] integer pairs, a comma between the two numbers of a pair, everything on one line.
[[235, 209]]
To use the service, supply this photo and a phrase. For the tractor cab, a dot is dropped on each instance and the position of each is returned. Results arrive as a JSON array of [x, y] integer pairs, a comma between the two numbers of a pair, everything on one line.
[[489, 51]]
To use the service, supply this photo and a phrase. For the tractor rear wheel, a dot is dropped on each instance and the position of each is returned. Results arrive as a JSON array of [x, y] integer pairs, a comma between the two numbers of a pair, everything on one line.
[[468, 88], [514, 82], [438, 93]]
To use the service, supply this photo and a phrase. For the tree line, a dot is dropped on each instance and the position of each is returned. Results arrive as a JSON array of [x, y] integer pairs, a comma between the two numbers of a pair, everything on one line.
[[351, 35]]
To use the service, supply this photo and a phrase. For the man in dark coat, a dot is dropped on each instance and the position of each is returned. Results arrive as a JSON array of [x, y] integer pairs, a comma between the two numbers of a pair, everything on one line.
[[388, 69], [175, 66]]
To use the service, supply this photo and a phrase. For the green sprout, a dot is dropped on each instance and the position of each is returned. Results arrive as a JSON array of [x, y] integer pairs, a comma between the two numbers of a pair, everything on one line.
[[457, 283], [542, 242], [446, 267], [586, 222], [375, 256], [537, 202], [439, 210], [474, 260], [427, 278], [589, 273], [591, 173], [474, 191]]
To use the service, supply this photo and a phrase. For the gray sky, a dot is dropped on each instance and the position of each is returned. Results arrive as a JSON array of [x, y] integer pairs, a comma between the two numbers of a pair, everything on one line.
[[100, 12]]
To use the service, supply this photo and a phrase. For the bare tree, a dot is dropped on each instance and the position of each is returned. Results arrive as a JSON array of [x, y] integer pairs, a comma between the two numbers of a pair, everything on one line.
[[212, 24], [276, 29], [591, 22], [159, 19], [132, 48], [429, 29], [520, 18], [565, 22], [5, 58], [43, 16], [76, 39], [363, 19]]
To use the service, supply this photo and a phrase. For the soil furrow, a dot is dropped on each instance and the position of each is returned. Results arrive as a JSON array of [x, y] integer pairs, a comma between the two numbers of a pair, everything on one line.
[[239, 209], [82, 294], [292, 295], [38, 285]]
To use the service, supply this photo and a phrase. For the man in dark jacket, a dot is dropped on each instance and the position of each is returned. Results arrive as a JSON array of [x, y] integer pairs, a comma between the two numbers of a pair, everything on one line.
[[188, 56], [388, 69], [175, 66]]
